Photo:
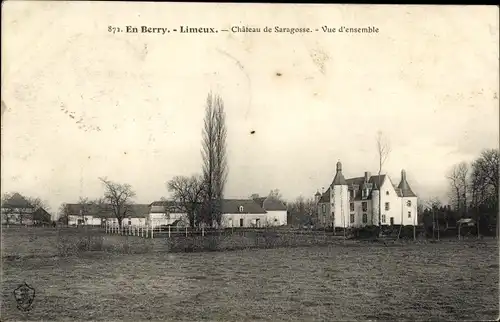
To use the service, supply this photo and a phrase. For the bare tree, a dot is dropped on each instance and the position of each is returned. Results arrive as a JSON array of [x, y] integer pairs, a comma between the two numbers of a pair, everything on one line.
[[302, 210], [458, 177], [64, 214], [254, 196], [276, 194], [38, 203], [215, 169], [118, 197], [484, 188], [187, 192], [383, 150], [85, 207]]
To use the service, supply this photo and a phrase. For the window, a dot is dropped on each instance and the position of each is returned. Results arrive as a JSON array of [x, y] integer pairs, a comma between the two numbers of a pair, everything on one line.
[[387, 193], [365, 218], [365, 206], [241, 208], [383, 219], [275, 219], [409, 214], [408, 203], [352, 206], [129, 222], [387, 207], [324, 208], [241, 222], [352, 218]]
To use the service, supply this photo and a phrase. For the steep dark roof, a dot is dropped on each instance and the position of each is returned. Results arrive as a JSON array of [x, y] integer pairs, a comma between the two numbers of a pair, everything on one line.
[[232, 206], [168, 205], [135, 210], [325, 197], [260, 200], [17, 201], [42, 215], [404, 190], [374, 180], [228, 205], [270, 204], [339, 177]]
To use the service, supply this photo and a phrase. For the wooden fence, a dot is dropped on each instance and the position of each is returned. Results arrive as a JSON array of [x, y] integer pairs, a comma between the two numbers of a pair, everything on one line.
[[172, 231]]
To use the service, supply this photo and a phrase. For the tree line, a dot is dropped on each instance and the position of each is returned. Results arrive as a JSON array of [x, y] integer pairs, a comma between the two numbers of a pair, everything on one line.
[[473, 193], [474, 188]]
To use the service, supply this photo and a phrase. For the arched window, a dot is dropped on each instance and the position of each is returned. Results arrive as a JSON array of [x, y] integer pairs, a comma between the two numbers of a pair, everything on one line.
[[241, 208]]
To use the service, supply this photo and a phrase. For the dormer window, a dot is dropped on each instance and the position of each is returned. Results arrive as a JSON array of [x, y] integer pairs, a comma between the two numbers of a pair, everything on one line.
[[241, 208]]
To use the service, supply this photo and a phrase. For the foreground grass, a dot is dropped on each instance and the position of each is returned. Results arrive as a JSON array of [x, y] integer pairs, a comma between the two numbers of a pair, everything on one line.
[[445, 281]]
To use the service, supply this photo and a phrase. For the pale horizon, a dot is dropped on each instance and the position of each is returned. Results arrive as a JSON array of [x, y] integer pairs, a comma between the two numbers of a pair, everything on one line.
[[428, 81]]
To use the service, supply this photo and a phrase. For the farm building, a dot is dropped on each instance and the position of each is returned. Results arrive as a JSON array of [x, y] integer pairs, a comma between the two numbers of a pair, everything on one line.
[[260, 212], [354, 202], [166, 212], [276, 211], [17, 210], [94, 215], [41, 217]]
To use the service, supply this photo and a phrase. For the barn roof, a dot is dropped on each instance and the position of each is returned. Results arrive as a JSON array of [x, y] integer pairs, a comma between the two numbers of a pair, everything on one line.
[[232, 206], [42, 215], [270, 204], [104, 211], [17, 201]]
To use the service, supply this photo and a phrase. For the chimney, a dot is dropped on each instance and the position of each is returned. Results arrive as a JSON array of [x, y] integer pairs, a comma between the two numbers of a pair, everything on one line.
[[367, 176], [403, 175]]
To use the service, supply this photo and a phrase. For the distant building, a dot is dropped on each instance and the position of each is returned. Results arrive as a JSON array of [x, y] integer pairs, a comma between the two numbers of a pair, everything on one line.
[[260, 212], [166, 212], [41, 217], [354, 202], [94, 215], [275, 209], [17, 210]]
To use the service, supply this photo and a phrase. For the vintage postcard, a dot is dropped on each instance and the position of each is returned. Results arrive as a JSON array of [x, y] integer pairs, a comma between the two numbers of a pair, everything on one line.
[[249, 162]]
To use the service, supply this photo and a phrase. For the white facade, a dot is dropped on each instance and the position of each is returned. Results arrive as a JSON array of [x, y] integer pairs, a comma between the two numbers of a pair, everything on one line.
[[339, 199], [243, 220], [89, 220], [276, 217], [156, 219], [396, 210]]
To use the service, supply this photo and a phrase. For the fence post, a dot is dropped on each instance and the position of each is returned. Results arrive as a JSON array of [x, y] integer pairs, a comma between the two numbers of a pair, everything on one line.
[[168, 231], [152, 231], [186, 231], [203, 231]]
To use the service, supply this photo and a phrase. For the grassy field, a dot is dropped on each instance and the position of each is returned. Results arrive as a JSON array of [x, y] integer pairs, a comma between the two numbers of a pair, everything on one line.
[[351, 281]]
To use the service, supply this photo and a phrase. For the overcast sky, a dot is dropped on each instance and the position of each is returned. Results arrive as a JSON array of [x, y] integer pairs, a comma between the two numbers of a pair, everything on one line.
[[428, 80]]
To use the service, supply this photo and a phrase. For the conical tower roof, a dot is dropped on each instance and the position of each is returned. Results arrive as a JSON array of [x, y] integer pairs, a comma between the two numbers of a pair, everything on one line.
[[404, 187], [339, 177]]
